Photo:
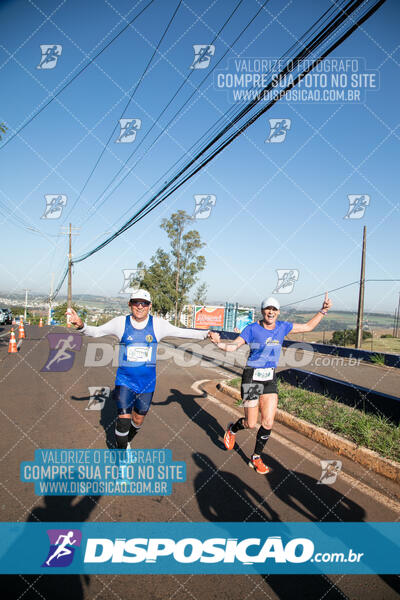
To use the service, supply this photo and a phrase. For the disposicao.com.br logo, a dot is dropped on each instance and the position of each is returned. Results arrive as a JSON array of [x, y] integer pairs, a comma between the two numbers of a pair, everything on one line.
[[248, 551]]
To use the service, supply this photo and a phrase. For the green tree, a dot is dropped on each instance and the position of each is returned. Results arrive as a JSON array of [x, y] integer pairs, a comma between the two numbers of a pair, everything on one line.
[[347, 337], [186, 263], [200, 296], [157, 278], [170, 276], [60, 310]]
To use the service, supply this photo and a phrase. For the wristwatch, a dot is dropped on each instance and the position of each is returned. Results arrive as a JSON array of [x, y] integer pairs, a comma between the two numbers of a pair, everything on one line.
[[323, 312]]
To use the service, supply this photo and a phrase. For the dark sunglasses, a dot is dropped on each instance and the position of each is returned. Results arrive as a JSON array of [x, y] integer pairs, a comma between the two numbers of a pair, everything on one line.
[[140, 303]]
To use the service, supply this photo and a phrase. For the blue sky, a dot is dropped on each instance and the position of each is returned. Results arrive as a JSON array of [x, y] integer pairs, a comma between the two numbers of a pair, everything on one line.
[[279, 205]]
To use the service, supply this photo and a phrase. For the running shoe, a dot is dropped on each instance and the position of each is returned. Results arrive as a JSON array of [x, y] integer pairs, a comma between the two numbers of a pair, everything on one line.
[[229, 438], [257, 464]]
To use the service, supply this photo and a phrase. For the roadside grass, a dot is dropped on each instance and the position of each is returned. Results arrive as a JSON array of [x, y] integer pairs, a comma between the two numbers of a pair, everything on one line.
[[376, 344], [378, 359], [364, 429]]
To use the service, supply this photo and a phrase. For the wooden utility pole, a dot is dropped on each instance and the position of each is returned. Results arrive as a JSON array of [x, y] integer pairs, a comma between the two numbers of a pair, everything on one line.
[[70, 233], [360, 313], [69, 297], [396, 320]]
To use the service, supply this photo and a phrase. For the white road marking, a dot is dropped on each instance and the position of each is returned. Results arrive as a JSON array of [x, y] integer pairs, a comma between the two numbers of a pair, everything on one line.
[[354, 483]]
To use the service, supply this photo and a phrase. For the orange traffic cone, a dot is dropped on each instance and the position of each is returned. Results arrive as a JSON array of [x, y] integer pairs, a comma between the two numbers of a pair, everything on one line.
[[12, 346], [21, 330], [41, 322]]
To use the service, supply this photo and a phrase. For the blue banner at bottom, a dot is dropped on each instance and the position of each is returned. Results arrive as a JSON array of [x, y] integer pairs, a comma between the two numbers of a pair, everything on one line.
[[199, 548]]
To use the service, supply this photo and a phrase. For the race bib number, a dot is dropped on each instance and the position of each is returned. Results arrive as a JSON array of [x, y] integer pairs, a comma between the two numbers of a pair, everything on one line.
[[138, 353], [263, 374]]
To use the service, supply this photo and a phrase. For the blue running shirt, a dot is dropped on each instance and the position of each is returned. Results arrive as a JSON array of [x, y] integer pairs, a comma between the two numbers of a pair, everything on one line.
[[265, 344], [137, 358]]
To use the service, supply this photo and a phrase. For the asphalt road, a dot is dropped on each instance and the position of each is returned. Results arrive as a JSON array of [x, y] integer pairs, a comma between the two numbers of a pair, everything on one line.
[[48, 410]]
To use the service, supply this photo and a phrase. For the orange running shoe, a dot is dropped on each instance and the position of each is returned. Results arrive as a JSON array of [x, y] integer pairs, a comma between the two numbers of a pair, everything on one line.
[[257, 464], [229, 438]]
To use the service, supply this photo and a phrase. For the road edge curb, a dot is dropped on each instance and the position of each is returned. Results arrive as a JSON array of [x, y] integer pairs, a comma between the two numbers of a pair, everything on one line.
[[365, 457]]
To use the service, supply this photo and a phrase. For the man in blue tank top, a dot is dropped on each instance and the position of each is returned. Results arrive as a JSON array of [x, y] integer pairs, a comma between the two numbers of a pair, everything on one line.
[[259, 387], [139, 334]]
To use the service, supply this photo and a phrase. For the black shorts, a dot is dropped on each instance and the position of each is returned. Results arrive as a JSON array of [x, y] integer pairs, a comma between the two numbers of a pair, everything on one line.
[[127, 401], [252, 390]]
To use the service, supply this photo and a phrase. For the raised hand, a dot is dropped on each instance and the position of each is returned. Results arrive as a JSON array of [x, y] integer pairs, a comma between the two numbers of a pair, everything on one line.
[[327, 302], [74, 318]]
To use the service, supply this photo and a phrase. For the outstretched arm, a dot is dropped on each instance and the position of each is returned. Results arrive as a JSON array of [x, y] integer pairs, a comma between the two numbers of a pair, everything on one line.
[[113, 327], [230, 346], [163, 329], [312, 323]]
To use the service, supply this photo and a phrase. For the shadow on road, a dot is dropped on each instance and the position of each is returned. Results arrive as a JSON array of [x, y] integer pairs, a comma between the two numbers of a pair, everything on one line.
[[301, 492], [62, 587], [223, 496], [108, 415], [197, 414]]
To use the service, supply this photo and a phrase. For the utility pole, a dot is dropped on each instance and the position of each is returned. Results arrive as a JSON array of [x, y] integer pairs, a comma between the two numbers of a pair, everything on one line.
[[69, 298], [397, 316], [50, 299], [360, 313], [26, 304], [70, 233]]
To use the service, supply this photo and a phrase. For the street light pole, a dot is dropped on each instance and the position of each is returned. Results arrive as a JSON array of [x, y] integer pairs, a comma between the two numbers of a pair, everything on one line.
[[50, 299], [26, 304]]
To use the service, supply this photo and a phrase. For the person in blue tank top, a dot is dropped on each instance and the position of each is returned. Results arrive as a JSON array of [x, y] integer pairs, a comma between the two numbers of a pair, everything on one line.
[[259, 387], [138, 334]]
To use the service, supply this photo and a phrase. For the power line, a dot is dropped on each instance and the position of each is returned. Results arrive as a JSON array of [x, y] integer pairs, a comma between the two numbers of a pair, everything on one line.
[[166, 191], [335, 290], [158, 118], [322, 36], [74, 77], [323, 18], [222, 119], [125, 109]]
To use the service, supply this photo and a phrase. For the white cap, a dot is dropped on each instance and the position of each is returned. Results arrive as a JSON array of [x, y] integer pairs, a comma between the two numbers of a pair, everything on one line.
[[270, 302], [140, 295]]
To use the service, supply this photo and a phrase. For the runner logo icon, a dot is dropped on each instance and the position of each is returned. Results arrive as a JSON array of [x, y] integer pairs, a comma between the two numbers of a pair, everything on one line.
[[278, 130], [357, 205], [203, 205], [50, 55], [54, 206], [98, 397], [202, 55], [62, 547], [132, 280], [129, 127], [286, 280], [330, 471], [62, 351]]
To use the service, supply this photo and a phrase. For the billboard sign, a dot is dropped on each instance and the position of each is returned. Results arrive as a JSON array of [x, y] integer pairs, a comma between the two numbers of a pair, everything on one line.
[[208, 316], [245, 316]]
